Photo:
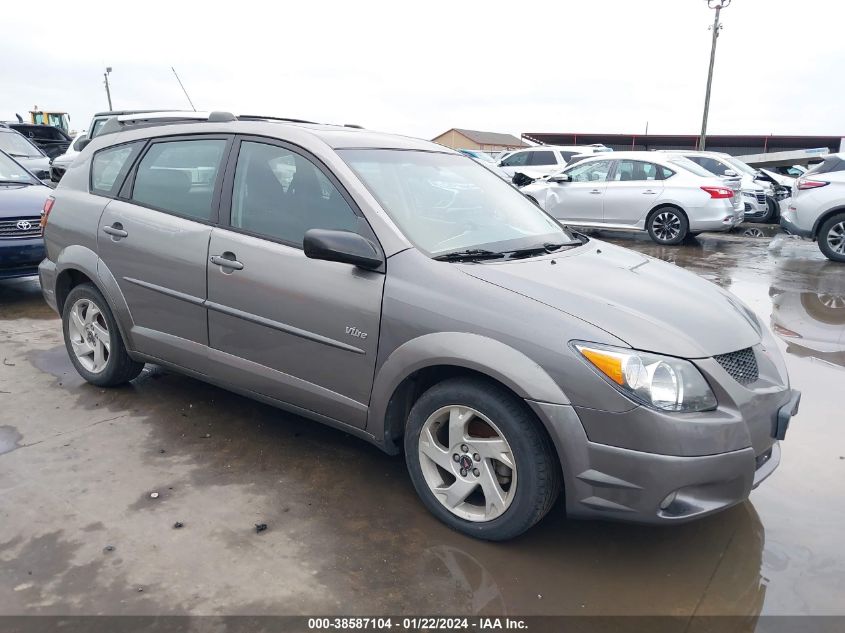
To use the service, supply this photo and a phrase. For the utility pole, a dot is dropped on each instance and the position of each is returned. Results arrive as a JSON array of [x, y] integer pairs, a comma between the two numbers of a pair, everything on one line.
[[718, 5], [108, 92]]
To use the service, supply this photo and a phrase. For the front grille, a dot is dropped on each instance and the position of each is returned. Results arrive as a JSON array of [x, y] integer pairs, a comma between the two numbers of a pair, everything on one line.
[[20, 227], [741, 365], [761, 198]]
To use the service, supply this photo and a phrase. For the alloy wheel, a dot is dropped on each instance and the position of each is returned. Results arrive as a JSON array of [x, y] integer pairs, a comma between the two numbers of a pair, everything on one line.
[[467, 463], [836, 238], [88, 331], [666, 226]]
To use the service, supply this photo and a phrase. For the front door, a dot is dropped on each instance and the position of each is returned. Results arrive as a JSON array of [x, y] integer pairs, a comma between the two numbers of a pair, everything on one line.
[[632, 191], [295, 329], [580, 201], [154, 240]]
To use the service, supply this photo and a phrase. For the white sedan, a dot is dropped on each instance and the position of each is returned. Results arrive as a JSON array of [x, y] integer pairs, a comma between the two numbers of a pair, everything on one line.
[[668, 196]]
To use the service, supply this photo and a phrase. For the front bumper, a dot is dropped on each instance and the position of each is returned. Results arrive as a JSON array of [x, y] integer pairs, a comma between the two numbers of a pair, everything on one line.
[[20, 257], [610, 482]]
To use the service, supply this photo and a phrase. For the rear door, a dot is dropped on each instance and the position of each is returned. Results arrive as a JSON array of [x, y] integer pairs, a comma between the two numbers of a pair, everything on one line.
[[580, 201], [295, 329], [632, 191], [154, 237]]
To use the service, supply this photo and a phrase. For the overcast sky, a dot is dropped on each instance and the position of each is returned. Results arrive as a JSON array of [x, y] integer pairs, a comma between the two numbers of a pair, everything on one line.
[[420, 68]]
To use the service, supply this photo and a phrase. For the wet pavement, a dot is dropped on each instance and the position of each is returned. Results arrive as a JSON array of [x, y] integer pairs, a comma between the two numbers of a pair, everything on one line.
[[82, 533]]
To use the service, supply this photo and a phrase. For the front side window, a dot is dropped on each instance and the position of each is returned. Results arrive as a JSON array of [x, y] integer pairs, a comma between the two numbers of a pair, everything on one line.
[[109, 166], [445, 202], [594, 171], [520, 159], [542, 158], [179, 176], [281, 194]]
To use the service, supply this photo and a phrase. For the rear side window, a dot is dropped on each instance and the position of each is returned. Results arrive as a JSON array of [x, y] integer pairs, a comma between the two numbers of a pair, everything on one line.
[[109, 167], [179, 176], [543, 158], [567, 155]]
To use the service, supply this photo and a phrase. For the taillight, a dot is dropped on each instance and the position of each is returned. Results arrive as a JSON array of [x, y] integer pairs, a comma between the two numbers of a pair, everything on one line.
[[811, 184], [45, 212], [719, 192]]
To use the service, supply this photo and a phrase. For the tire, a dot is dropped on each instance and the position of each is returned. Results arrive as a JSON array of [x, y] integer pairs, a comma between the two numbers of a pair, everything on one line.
[[832, 238], [483, 415], [771, 209], [87, 323], [667, 226]]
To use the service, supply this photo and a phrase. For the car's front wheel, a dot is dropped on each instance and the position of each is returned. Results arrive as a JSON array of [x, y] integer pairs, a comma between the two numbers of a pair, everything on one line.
[[479, 460], [93, 340], [832, 238], [668, 226]]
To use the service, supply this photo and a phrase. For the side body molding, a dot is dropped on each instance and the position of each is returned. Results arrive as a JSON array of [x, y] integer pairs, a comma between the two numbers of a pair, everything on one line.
[[460, 349]]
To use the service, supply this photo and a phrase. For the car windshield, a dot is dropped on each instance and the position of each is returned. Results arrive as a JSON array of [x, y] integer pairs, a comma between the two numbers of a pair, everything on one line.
[[16, 145], [447, 202], [687, 164], [10, 171]]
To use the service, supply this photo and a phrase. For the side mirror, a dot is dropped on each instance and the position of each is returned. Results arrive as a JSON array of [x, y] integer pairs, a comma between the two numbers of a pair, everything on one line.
[[730, 173], [82, 143], [560, 178], [341, 246]]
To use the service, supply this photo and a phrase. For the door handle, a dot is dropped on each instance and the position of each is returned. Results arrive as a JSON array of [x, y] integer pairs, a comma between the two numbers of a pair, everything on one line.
[[226, 262], [649, 192], [595, 191], [115, 230]]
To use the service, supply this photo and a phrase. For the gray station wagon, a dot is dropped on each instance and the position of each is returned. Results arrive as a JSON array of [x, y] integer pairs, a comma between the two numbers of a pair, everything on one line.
[[399, 291]]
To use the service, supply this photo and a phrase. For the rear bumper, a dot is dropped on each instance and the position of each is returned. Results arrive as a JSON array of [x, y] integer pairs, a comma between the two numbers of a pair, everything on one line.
[[20, 257], [790, 227], [47, 277], [611, 482]]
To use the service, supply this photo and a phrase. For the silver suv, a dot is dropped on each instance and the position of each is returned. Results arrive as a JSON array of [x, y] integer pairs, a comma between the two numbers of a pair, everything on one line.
[[399, 291]]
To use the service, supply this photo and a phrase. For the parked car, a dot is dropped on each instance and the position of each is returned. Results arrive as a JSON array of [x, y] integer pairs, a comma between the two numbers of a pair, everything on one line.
[[663, 194], [756, 192], [23, 151], [59, 164], [397, 290], [50, 140], [545, 159], [22, 196], [817, 208]]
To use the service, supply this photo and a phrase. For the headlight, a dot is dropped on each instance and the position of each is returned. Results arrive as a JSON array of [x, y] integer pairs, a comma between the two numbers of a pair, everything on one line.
[[661, 382]]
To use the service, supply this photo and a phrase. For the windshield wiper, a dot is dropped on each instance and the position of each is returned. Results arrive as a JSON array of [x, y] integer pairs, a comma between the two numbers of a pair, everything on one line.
[[548, 247], [14, 182], [468, 254]]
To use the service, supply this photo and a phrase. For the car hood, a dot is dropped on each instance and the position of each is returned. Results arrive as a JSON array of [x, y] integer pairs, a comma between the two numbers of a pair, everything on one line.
[[650, 304], [22, 200]]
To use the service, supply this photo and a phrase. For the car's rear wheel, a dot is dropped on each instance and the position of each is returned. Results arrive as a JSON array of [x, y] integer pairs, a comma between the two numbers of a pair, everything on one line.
[[479, 460], [93, 340], [832, 238], [667, 225]]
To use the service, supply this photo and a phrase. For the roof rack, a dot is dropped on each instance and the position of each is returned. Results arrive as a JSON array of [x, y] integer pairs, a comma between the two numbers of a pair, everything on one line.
[[148, 119], [121, 122]]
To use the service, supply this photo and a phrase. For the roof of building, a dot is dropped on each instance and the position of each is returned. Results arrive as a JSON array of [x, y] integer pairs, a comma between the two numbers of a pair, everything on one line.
[[489, 138]]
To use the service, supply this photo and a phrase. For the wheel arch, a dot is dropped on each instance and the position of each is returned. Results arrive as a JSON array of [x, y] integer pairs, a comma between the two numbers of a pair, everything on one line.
[[663, 205], [77, 265], [824, 217], [423, 362]]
